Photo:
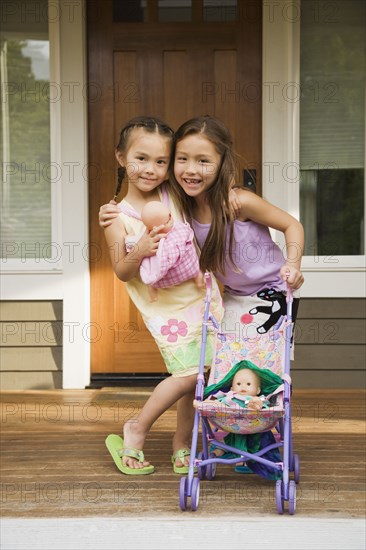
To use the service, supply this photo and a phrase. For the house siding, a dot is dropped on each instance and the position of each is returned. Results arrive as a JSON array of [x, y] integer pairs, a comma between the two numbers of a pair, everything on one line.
[[31, 345], [329, 344]]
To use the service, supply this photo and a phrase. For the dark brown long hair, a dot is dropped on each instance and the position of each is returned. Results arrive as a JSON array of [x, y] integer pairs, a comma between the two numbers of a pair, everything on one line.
[[149, 124], [214, 253]]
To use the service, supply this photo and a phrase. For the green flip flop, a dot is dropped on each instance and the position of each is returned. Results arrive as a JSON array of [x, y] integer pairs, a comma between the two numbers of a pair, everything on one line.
[[114, 444], [181, 453]]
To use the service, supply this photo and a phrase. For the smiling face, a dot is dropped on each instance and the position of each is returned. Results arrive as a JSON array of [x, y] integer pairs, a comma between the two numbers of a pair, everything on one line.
[[196, 164], [146, 159], [246, 382]]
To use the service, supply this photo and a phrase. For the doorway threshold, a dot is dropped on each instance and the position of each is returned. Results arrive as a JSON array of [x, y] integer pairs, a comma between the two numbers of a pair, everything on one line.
[[122, 379]]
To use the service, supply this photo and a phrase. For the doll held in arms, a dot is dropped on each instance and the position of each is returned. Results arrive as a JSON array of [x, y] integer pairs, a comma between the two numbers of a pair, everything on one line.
[[176, 260]]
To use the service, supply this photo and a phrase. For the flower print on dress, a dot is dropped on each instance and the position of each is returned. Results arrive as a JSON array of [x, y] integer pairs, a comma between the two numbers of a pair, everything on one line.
[[173, 329]]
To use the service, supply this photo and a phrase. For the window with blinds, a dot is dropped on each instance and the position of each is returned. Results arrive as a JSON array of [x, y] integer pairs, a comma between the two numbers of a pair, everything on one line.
[[332, 126], [25, 132]]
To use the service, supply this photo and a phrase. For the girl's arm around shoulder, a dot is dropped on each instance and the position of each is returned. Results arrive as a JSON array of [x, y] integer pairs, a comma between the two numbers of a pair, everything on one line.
[[256, 209], [127, 264], [107, 213]]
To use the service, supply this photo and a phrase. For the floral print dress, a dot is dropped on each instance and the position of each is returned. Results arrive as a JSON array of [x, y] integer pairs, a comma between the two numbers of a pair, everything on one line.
[[175, 319]]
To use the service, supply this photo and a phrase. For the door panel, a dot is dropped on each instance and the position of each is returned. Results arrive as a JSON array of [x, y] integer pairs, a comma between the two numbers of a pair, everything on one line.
[[174, 71]]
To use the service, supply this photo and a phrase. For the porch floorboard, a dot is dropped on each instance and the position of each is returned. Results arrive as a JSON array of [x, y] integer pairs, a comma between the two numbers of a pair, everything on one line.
[[54, 462]]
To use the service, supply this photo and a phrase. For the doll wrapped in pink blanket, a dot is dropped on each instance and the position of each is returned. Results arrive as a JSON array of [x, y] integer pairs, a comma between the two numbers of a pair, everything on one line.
[[176, 260]]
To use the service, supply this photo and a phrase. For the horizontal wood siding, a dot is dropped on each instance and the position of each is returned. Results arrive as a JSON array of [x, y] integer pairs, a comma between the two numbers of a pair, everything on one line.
[[330, 338], [330, 350], [31, 345]]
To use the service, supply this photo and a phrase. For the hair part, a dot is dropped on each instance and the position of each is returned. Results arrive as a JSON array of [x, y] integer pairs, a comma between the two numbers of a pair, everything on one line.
[[214, 252], [152, 125]]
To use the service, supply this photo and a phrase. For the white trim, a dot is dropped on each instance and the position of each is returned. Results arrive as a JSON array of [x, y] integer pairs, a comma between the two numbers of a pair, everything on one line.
[[56, 129], [280, 153], [339, 284], [74, 139], [340, 276], [31, 286]]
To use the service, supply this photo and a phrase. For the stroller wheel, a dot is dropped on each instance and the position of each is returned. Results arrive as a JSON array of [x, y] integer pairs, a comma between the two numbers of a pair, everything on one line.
[[211, 468], [201, 470], [195, 496], [296, 468], [279, 496], [183, 493], [292, 498]]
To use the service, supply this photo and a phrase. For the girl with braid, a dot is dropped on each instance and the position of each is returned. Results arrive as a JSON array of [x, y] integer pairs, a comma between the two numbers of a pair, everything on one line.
[[175, 318]]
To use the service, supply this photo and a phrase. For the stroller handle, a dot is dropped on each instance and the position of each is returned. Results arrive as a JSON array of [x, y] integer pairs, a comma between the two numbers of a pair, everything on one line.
[[289, 294], [208, 283]]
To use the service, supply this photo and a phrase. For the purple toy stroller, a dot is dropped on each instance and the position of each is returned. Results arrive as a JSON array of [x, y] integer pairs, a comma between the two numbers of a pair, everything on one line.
[[270, 352]]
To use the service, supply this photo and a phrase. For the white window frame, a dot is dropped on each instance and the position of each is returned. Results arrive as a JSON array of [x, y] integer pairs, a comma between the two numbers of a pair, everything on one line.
[[325, 276], [70, 281]]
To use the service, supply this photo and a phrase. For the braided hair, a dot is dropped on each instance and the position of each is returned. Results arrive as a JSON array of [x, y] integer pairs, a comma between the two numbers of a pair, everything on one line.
[[149, 124]]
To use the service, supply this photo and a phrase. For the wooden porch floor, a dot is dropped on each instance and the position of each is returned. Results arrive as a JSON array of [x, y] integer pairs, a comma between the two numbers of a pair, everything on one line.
[[54, 462]]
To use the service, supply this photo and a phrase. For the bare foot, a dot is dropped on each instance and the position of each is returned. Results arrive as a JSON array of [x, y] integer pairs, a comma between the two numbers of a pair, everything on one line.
[[133, 438], [185, 462], [179, 445], [218, 452]]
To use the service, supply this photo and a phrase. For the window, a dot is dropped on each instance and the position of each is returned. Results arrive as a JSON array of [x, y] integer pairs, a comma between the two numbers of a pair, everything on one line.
[[332, 128], [166, 11], [27, 170], [219, 10]]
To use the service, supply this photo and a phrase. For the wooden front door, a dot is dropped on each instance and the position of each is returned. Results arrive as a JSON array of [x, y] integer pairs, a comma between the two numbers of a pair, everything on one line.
[[173, 70]]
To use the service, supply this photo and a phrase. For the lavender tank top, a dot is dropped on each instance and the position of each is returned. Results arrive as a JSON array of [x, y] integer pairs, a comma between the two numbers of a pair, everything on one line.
[[255, 254]]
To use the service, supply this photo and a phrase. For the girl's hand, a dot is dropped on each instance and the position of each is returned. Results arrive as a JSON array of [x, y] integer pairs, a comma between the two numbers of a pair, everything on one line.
[[107, 213], [234, 203], [147, 245], [292, 275]]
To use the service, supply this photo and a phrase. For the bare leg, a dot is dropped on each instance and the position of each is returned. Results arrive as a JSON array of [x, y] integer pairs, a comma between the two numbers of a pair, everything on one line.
[[185, 418], [164, 396]]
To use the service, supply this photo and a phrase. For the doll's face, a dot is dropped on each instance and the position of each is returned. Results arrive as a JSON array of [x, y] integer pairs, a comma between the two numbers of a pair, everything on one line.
[[246, 382], [154, 214]]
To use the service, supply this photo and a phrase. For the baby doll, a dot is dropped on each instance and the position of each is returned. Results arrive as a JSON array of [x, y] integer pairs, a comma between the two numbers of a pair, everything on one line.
[[176, 260], [241, 387], [244, 391]]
